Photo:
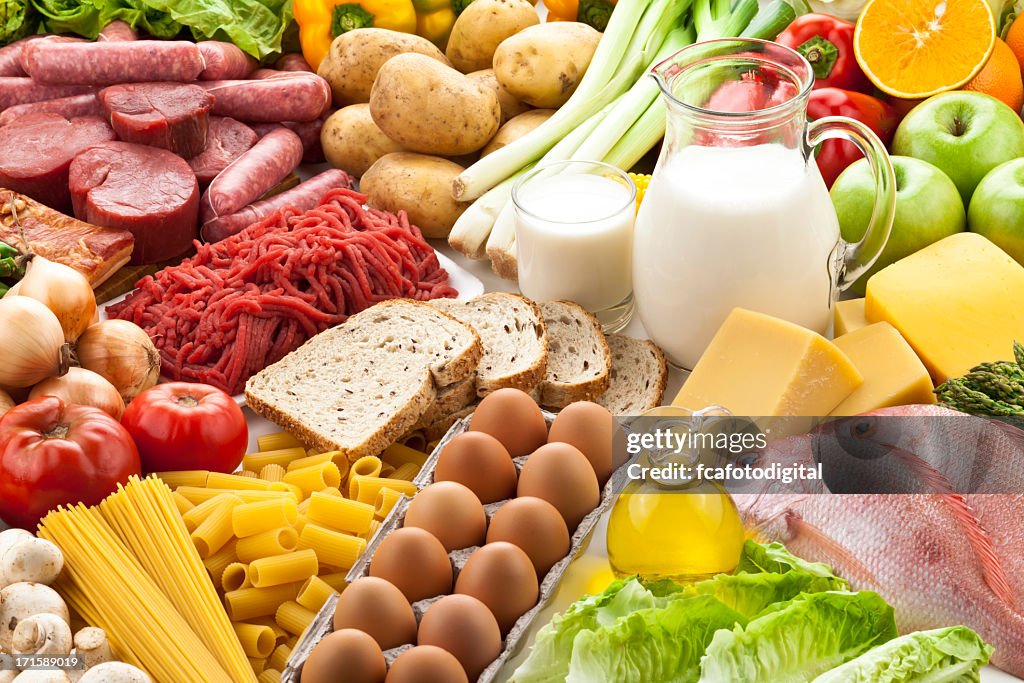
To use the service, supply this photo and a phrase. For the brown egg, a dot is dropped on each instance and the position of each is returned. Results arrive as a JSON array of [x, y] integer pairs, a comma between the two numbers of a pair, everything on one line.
[[464, 626], [501, 576], [536, 527], [451, 512], [415, 561], [588, 427], [561, 475], [377, 607], [346, 656], [479, 462], [426, 664], [514, 419]]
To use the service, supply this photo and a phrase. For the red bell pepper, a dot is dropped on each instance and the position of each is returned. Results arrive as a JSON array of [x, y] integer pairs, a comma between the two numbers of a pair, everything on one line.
[[827, 43], [54, 453], [835, 155]]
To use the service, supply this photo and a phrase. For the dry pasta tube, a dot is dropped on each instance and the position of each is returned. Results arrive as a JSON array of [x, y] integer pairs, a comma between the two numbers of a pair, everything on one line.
[[183, 504], [267, 544], [334, 549], [246, 474], [199, 496], [248, 603], [269, 676], [371, 532], [386, 500], [399, 454], [386, 470], [417, 441], [295, 492], [314, 593], [301, 523], [272, 472], [198, 514], [335, 580], [340, 514], [281, 569], [304, 506], [257, 641], [315, 478], [276, 441], [333, 491], [235, 577], [254, 462], [366, 466], [232, 482], [337, 457], [184, 478], [279, 633], [292, 642], [365, 489], [215, 531], [217, 563], [406, 472], [279, 658], [294, 618], [250, 519], [258, 665]]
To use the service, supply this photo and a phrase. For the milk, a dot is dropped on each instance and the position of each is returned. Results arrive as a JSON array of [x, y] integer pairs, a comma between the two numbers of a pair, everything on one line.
[[574, 235], [722, 227]]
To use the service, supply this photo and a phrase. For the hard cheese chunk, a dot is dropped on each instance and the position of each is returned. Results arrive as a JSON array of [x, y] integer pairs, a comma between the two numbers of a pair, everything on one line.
[[958, 302], [758, 365], [849, 316], [893, 374]]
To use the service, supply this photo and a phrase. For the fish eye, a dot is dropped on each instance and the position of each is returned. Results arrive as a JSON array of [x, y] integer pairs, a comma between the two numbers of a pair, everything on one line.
[[748, 459], [863, 428]]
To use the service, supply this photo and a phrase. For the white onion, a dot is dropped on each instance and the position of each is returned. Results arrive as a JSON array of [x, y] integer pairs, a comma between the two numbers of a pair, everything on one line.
[[6, 402], [82, 387], [32, 341], [123, 354], [64, 291]]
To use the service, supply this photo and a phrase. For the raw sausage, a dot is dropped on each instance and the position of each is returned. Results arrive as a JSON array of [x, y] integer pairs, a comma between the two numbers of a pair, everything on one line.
[[112, 62], [173, 116], [260, 74], [308, 132], [226, 140], [297, 97], [224, 61], [249, 176], [68, 107], [10, 57], [117, 30], [293, 61], [302, 197], [20, 90]]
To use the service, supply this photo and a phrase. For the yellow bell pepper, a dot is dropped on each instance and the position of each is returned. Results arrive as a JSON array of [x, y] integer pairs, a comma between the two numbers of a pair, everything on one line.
[[435, 25], [321, 21]]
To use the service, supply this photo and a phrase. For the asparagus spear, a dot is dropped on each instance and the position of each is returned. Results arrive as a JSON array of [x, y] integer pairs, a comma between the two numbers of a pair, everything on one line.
[[995, 388]]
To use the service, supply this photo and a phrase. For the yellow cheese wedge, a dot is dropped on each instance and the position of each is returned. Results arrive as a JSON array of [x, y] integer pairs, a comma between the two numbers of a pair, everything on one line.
[[958, 302], [849, 316], [893, 374], [757, 365]]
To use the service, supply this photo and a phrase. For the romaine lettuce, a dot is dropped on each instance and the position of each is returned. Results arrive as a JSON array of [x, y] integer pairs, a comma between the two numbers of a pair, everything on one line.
[[773, 558], [17, 18], [750, 594]]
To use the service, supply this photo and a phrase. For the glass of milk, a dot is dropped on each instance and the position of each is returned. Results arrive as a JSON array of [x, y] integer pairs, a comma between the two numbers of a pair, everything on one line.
[[574, 237]]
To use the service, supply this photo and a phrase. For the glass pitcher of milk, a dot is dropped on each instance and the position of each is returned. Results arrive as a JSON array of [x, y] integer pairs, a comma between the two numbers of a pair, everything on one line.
[[737, 213]]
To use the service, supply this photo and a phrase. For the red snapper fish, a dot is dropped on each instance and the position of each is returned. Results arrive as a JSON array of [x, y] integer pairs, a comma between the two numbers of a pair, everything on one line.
[[952, 553]]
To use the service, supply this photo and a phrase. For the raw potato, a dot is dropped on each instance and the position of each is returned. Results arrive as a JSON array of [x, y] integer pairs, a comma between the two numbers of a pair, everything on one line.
[[356, 56], [482, 26], [420, 184], [352, 141], [542, 65], [517, 128], [428, 107], [510, 106]]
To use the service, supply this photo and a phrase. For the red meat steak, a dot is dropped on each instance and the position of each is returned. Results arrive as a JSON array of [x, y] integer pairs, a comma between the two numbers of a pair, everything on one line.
[[173, 116], [149, 191], [36, 151], [225, 142]]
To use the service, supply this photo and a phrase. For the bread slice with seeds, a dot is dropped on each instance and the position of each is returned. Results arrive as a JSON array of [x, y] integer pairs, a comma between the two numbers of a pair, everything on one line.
[[638, 378], [579, 361], [359, 386]]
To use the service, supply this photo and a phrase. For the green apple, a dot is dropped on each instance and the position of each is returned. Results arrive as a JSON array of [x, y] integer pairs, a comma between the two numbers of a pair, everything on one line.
[[997, 208], [928, 208], [965, 134]]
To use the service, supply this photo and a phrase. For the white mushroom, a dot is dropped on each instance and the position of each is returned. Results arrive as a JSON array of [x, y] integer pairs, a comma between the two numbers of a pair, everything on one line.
[[7, 539], [20, 601], [42, 676], [115, 672], [31, 559], [91, 643], [42, 634]]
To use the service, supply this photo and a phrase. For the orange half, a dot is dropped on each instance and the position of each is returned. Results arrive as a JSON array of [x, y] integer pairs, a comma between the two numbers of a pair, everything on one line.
[[917, 48]]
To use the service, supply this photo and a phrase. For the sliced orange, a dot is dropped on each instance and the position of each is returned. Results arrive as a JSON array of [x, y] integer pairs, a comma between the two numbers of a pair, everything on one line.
[[917, 48]]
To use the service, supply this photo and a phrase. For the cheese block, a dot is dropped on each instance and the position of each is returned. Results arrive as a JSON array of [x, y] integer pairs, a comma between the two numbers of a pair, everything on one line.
[[958, 302], [757, 365], [849, 316], [893, 374]]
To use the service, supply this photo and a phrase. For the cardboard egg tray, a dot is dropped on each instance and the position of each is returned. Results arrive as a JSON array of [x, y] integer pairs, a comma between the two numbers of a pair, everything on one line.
[[323, 624]]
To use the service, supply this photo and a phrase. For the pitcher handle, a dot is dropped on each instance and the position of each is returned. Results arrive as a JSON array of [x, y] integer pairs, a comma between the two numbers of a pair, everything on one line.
[[858, 257]]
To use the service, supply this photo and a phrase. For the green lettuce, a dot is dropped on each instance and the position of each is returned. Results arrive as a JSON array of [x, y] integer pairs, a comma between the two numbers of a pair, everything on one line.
[[256, 26], [750, 594], [947, 655], [773, 558], [657, 644], [142, 17], [71, 16], [17, 19], [795, 641]]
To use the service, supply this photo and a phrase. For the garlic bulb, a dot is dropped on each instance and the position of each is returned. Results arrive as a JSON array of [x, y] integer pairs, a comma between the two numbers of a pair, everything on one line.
[[123, 354], [64, 291], [33, 343]]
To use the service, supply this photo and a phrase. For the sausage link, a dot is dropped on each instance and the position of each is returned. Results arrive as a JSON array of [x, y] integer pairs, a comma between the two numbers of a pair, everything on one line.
[[293, 61], [297, 97], [248, 177], [308, 132], [117, 31], [302, 197], [20, 90], [112, 62], [224, 61], [10, 57], [68, 107]]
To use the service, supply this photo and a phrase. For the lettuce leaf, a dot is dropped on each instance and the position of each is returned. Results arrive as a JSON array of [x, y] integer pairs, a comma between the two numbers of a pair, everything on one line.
[[653, 645], [71, 16], [946, 655], [773, 558], [750, 594], [801, 639], [256, 26]]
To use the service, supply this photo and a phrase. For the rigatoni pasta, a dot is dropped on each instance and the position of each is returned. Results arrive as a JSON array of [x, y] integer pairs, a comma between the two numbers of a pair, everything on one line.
[[233, 482], [365, 489], [279, 658], [272, 472], [281, 569], [235, 577], [339, 513], [269, 676], [277, 441], [248, 603], [334, 549], [406, 472], [399, 454], [314, 593], [257, 641], [215, 531], [250, 519], [267, 544], [366, 466], [387, 498], [254, 462], [314, 478], [294, 618], [184, 478]]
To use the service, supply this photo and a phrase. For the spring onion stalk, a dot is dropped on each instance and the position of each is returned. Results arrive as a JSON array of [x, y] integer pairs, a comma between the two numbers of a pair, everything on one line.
[[501, 245], [641, 138], [773, 18], [719, 19]]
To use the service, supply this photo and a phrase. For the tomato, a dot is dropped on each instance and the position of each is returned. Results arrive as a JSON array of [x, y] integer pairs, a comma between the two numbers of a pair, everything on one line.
[[54, 453], [185, 426]]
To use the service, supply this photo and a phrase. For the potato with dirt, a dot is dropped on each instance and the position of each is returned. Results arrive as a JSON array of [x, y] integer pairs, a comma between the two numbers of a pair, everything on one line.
[[543, 65], [428, 107], [356, 56], [516, 128], [352, 141], [510, 106], [419, 184], [482, 26]]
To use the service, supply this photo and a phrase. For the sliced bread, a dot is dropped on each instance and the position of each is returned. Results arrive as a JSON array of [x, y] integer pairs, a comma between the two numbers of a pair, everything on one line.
[[579, 361], [638, 377], [449, 400], [359, 386], [513, 335]]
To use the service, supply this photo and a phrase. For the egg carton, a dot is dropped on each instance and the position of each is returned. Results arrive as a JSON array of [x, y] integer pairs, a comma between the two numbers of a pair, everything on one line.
[[323, 624]]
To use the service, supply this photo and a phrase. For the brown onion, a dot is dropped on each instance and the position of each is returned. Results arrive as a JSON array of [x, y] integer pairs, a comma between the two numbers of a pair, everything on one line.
[[32, 341], [6, 402], [64, 291], [123, 354], [82, 387]]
